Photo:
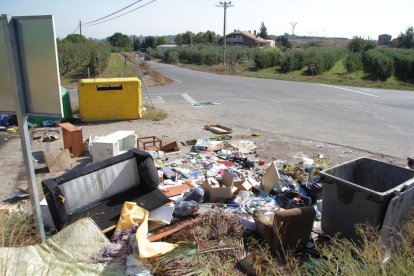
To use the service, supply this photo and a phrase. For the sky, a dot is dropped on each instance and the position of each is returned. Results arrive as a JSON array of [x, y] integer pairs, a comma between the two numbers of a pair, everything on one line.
[[331, 18]]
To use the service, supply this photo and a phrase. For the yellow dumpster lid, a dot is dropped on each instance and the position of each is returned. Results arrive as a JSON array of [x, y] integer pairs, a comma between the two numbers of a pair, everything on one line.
[[108, 80]]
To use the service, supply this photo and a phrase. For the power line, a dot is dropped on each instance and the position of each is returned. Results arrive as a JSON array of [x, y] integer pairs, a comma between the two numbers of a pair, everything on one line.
[[77, 27], [119, 15], [113, 12]]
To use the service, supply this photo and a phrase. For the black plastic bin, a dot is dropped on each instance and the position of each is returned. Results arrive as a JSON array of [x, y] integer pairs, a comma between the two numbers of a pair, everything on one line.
[[358, 192]]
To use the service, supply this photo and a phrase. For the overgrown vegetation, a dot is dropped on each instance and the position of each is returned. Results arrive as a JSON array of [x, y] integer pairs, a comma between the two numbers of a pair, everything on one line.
[[344, 257], [154, 114], [17, 229]]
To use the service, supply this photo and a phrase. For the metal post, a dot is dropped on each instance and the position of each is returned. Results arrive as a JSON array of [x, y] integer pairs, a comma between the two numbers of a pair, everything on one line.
[[143, 80], [80, 28], [22, 121]]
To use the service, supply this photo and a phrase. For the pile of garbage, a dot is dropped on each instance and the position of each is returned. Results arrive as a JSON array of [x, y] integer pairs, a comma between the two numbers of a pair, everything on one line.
[[217, 189]]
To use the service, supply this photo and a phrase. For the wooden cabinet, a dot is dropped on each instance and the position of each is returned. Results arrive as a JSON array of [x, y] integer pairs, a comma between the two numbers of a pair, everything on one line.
[[72, 139]]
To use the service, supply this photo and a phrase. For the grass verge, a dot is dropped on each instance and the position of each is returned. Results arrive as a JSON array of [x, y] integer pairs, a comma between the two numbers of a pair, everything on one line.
[[154, 114], [118, 68], [336, 76]]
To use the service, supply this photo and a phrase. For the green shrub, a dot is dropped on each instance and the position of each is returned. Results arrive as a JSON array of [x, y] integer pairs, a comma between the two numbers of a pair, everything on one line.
[[293, 60], [267, 58], [379, 65], [171, 56], [99, 58], [353, 62], [403, 63], [404, 66]]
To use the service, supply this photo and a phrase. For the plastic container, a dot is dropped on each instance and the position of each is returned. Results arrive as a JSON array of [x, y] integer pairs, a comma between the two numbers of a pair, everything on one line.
[[358, 192], [109, 99], [67, 110]]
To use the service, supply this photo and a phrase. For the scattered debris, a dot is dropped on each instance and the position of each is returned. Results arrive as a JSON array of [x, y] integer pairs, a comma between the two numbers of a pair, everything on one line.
[[58, 161], [218, 129], [149, 143]]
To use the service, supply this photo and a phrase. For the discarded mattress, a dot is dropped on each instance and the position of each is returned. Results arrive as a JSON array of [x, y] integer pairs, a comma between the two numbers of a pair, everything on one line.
[[66, 253], [99, 190]]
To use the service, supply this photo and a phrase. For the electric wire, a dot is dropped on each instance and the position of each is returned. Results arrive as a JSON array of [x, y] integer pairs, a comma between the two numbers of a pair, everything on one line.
[[90, 25], [77, 27], [113, 13]]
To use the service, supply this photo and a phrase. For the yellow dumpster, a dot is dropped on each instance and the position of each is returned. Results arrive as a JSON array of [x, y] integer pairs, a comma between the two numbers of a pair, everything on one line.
[[109, 99]]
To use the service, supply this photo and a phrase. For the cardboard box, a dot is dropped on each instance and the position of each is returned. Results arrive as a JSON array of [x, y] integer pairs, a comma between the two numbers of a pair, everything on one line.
[[227, 188]]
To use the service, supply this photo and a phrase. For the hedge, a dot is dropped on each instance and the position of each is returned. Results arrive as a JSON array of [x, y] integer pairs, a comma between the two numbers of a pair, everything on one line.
[[379, 65]]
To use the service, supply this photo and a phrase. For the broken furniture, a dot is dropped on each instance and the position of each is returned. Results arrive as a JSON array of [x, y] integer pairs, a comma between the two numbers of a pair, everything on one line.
[[285, 229], [100, 190], [109, 99], [149, 143], [359, 192], [113, 144], [72, 139], [292, 229]]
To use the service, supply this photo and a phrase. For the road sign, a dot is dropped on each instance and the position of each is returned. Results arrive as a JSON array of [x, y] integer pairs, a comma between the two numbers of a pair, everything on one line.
[[312, 67]]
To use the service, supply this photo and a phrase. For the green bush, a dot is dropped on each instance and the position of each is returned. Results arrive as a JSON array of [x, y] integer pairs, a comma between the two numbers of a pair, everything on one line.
[[353, 62], [171, 56], [379, 65], [99, 58], [267, 58], [403, 63], [293, 60]]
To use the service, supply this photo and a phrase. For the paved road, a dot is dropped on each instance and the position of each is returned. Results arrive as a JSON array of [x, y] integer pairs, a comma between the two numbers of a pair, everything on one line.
[[375, 120]]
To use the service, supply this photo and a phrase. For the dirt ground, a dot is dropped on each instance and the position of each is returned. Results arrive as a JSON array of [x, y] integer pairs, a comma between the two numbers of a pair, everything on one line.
[[179, 127]]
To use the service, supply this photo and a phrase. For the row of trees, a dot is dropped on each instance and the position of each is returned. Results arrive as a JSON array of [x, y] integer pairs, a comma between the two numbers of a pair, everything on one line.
[[324, 58], [202, 54], [189, 38], [76, 50]]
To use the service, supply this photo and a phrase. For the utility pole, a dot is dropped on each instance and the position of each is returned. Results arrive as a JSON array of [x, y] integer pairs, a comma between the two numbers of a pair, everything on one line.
[[80, 28], [293, 27], [224, 5]]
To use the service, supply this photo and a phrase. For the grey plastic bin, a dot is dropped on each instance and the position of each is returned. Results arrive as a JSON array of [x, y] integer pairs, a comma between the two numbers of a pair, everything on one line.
[[359, 192]]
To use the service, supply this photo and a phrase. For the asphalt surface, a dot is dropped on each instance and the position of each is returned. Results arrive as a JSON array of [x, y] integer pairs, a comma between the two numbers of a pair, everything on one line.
[[375, 120]]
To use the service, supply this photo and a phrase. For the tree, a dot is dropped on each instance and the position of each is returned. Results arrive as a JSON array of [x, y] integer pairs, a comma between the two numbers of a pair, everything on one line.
[[160, 40], [149, 42], [75, 38], [357, 44], [136, 43], [284, 41], [406, 40], [184, 38], [263, 31], [120, 40]]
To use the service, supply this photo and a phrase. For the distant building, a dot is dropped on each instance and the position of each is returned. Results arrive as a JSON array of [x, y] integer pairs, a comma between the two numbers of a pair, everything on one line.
[[249, 39], [166, 46], [384, 39]]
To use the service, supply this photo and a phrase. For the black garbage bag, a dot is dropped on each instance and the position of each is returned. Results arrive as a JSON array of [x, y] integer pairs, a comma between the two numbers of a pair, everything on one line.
[[286, 184], [184, 209], [196, 195], [313, 188]]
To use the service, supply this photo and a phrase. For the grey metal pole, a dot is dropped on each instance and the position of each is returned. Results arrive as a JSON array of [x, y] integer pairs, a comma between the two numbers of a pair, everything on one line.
[[23, 125], [224, 5], [224, 34]]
